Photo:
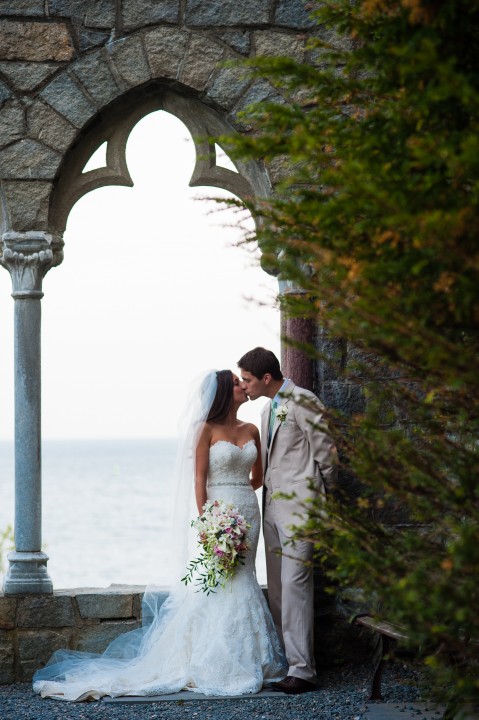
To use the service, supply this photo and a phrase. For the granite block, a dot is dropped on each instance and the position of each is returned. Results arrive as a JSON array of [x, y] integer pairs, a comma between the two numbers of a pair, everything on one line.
[[88, 39], [7, 658], [27, 204], [36, 41], [228, 12], [27, 75], [96, 638], [227, 86], [8, 607], [35, 8], [49, 127], [106, 604], [45, 611], [64, 95], [101, 14], [148, 12], [239, 41], [200, 61], [28, 160], [294, 14], [5, 92], [130, 61], [12, 122], [279, 44], [35, 647], [93, 72], [165, 48]]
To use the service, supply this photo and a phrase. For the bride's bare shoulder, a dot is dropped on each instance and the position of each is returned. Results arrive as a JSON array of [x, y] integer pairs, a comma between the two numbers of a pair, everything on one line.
[[251, 428], [205, 433]]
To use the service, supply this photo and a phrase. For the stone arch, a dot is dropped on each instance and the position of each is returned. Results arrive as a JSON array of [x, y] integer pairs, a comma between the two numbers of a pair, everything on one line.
[[113, 128], [80, 94], [70, 117], [74, 75]]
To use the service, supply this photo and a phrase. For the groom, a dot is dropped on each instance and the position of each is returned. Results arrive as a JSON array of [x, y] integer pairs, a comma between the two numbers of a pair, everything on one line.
[[295, 451]]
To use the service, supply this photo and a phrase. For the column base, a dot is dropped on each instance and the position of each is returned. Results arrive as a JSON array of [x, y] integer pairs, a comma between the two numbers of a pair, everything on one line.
[[27, 574]]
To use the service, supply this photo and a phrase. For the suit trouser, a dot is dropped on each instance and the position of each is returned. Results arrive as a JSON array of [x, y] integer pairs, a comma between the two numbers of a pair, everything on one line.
[[290, 593]]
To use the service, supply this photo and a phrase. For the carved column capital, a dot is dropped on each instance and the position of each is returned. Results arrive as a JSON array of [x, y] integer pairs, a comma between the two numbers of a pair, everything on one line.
[[28, 256]]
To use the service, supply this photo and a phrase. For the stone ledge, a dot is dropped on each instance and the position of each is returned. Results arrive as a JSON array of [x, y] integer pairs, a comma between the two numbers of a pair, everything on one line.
[[94, 605], [32, 627], [38, 611]]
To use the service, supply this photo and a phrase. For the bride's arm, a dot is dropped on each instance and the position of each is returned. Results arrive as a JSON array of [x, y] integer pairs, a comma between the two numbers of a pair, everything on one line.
[[201, 468], [257, 469]]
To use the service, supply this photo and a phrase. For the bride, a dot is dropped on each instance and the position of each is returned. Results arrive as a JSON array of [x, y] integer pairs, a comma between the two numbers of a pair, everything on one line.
[[223, 643]]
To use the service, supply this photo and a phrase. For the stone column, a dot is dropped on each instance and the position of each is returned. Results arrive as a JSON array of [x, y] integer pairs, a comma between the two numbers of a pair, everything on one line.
[[294, 361], [27, 256]]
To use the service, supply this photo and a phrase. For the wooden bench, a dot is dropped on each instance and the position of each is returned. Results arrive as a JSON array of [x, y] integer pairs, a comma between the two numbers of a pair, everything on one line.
[[387, 632]]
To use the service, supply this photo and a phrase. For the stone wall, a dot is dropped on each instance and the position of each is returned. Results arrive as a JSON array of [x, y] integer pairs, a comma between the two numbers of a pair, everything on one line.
[[62, 62], [32, 627]]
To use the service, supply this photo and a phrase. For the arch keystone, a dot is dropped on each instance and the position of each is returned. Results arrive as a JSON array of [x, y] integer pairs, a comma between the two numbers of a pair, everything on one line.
[[200, 61], [129, 59], [165, 48]]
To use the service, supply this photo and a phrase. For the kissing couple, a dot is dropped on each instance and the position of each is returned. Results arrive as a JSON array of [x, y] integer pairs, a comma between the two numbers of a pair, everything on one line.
[[228, 642]]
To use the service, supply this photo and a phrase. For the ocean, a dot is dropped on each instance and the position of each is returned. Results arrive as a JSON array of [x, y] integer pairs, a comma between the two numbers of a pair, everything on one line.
[[106, 507]]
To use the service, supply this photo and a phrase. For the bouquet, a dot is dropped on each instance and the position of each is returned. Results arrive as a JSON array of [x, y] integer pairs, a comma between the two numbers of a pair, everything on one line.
[[222, 535]]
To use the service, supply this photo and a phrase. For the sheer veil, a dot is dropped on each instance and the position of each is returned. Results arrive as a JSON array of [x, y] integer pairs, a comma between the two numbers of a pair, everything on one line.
[[181, 537], [181, 541]]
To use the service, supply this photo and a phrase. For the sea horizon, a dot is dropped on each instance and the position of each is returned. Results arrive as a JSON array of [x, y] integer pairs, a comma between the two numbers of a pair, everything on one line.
[[106, 509]]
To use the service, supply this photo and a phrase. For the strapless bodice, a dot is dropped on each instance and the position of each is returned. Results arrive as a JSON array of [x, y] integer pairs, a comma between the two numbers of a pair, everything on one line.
[[228, 481], [230, 465]]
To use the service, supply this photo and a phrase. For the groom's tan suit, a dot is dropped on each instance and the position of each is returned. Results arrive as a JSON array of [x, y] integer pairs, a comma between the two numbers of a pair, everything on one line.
[[297, 454]]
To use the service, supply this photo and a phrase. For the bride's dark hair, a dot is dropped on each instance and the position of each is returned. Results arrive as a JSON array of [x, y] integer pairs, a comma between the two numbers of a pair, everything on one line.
[[223, 398]]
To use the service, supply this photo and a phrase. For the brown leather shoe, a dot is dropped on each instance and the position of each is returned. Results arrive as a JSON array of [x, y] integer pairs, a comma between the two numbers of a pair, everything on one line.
[[293, 686]]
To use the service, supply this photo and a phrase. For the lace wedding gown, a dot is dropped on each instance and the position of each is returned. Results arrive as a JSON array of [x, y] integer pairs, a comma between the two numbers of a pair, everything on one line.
[[218, 644]]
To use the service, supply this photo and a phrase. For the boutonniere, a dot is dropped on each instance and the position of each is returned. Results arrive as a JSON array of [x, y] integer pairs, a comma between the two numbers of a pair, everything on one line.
[[281, 413]]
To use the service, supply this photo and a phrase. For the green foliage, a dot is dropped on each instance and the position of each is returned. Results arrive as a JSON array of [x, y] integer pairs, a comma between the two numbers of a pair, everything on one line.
[[376, 218]]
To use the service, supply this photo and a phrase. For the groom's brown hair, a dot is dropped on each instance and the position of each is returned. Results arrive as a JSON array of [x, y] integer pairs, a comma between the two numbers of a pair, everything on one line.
[[259, 362]]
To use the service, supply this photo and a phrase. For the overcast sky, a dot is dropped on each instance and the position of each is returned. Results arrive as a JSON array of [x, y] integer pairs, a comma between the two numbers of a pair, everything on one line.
[[152, 291]]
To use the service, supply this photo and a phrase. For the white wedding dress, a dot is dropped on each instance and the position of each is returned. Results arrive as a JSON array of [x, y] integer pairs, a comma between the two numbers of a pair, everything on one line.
[[218, 644]]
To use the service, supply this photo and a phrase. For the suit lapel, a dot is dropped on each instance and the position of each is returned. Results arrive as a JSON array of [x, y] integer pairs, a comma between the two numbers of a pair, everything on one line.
[[284, 401], [264, 432]]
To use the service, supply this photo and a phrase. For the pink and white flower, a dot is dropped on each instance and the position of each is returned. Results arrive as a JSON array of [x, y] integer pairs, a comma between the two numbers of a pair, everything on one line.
[[222, 532]]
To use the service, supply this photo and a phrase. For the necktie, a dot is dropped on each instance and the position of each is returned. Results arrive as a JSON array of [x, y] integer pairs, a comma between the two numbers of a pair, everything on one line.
[[272, 418]]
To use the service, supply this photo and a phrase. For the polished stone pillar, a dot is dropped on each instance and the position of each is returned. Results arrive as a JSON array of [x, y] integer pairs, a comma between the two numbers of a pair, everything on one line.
[[27, 256], [295, 363]]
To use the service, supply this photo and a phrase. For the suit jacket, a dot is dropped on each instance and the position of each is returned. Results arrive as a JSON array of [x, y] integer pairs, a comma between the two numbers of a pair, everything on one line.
[[299, 453]]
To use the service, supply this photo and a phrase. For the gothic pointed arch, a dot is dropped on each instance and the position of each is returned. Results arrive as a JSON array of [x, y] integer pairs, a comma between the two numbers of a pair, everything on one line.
[[113, 127]]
